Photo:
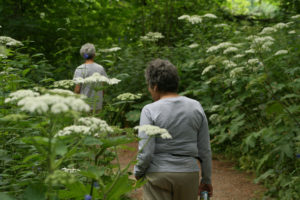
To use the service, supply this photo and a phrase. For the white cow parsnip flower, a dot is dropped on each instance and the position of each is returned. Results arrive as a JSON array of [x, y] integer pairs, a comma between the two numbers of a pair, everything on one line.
[[253, 61], [74, 129], [221, 25], [54, 103], [70, 170], [113, 49], [194, 45], [152, 37], [151, 130], [281, 26], [229, 64], [281, 52], [209, 15], [64, 84], [96, 78], [239, 56], [236, 71], [128, 96], [20, 94], [296, 17], [194, 19], [268, 30], [8, 41], [61, 92], [95, 124], [207, 69], [230, 50], [219, 46]]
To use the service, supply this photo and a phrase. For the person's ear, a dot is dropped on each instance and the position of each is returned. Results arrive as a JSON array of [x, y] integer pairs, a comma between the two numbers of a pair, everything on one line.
[[155, 88]]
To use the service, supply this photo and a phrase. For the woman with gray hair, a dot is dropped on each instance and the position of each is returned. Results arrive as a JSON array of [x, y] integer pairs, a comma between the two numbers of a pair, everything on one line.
[[88, 68], [171, 166]]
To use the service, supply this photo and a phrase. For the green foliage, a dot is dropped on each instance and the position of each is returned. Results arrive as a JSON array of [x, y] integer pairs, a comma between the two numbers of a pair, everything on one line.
[[252, 105]]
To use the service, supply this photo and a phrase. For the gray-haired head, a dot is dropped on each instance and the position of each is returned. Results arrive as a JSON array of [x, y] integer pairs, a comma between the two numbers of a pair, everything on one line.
[[88, 51], [163, 74]]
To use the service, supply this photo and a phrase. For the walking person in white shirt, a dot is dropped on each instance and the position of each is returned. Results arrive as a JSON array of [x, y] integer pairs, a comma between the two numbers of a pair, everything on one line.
[[88, 68]]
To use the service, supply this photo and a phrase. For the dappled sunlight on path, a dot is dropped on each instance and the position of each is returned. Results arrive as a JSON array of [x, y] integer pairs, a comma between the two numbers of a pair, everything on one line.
[[228, 183]]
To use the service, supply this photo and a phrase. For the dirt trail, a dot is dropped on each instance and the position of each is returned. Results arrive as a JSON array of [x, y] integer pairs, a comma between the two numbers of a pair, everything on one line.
[[228, 183]]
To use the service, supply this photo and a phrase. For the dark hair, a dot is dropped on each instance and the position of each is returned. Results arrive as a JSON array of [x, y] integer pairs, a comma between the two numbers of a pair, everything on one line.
[[163, 74]]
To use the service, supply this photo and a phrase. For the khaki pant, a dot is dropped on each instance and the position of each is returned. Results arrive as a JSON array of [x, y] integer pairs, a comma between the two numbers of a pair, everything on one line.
[[171, 186]]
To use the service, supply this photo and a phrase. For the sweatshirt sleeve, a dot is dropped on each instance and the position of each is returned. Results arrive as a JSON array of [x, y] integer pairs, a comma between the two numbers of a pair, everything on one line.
[[146, 151], [204, 151]]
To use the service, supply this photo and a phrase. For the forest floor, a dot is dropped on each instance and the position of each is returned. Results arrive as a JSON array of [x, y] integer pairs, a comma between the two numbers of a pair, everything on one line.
[[228, 183]]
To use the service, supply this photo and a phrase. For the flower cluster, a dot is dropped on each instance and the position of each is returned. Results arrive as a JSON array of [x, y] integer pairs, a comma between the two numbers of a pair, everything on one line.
[[268, 30], [214, 108], [20, 94], [129, 96], [8, 41], [239, 55], [262, 43], [71, 171], [194, 45], [62, 92], [292, 32], [230, 50], [54, 103], [229, 64], [152, 37], [95, 124], [221, 25], [233, 73], [281, 26], [63, 84], [151, 130], [249, 51], [209, 15], [114, 49], [296, 17], [219, 46], [281, 52], [207, 69], [253, 61], [74, 129], [194, 19], [96, 78]]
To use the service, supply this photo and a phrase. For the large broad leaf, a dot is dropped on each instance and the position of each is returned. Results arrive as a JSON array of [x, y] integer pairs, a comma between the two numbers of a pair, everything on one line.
[[274, 108], [4, 196], [267, 174], [60, 148], [286, 149], [116, 189], [133, 116], [36, 192], [115, 141], [89, 140], [76, 191]]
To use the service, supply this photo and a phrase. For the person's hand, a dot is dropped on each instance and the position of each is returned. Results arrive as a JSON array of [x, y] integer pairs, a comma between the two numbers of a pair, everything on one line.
[[206, 187]]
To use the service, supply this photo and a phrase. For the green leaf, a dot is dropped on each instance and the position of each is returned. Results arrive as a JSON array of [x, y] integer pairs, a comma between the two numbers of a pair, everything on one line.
[[115, 141], [36, 192], [60, 148], [122, 186], [274, 108], [4, 196], [26, 71], [92, 141], [133, 116], [269, 173], [287, 150]]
